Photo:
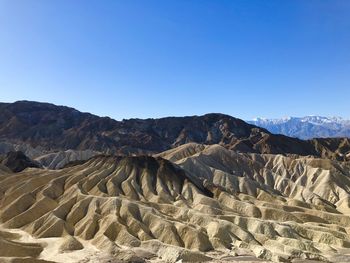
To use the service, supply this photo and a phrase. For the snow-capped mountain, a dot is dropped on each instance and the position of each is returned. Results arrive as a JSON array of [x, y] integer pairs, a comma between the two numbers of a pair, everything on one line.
[[306, 127]]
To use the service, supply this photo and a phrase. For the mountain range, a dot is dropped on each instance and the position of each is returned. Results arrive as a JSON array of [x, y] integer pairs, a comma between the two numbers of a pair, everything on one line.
[[308, 127], [41, 128]]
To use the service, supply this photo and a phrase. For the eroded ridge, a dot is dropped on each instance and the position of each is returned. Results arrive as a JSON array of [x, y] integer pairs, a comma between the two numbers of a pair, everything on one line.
[[203, 198]]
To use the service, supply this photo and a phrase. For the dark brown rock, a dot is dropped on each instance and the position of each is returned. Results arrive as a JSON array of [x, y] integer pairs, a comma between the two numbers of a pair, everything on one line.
[[60, 128], [17, 161]]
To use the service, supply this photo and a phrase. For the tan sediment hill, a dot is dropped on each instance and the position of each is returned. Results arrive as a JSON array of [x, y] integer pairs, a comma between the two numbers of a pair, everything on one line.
[[313, 180], [203, 203], [13, 250]]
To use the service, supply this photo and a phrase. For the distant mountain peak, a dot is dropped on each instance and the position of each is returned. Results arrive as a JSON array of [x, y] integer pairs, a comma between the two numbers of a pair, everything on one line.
[[307, 127]]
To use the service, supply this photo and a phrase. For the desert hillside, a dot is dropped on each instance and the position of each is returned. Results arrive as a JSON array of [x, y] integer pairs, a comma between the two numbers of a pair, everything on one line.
[[192, 203]]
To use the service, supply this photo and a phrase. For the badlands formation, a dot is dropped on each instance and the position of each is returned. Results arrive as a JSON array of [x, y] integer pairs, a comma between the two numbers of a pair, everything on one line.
[[193, 203]]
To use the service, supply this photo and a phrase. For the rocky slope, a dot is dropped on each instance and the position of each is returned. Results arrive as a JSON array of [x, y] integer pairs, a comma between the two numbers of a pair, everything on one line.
[[308, 127], [42, 127], [191, 203]]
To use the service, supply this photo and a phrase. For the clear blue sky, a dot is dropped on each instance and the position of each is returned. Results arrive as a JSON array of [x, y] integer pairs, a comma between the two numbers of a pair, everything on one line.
[[151, 58]]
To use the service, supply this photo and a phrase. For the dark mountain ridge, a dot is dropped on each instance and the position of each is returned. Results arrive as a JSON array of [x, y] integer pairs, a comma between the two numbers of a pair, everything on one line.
[[55, 128]]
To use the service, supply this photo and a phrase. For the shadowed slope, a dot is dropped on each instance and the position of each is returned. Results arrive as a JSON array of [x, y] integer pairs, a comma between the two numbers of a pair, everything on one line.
[[17, 161]]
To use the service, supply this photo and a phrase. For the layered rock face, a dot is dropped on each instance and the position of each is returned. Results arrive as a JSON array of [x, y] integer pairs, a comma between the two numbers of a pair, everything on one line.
[[185, 203]]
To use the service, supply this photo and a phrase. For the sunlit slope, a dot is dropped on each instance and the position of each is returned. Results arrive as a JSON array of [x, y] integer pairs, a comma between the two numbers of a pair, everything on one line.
[[312, 180], [209, 199]]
